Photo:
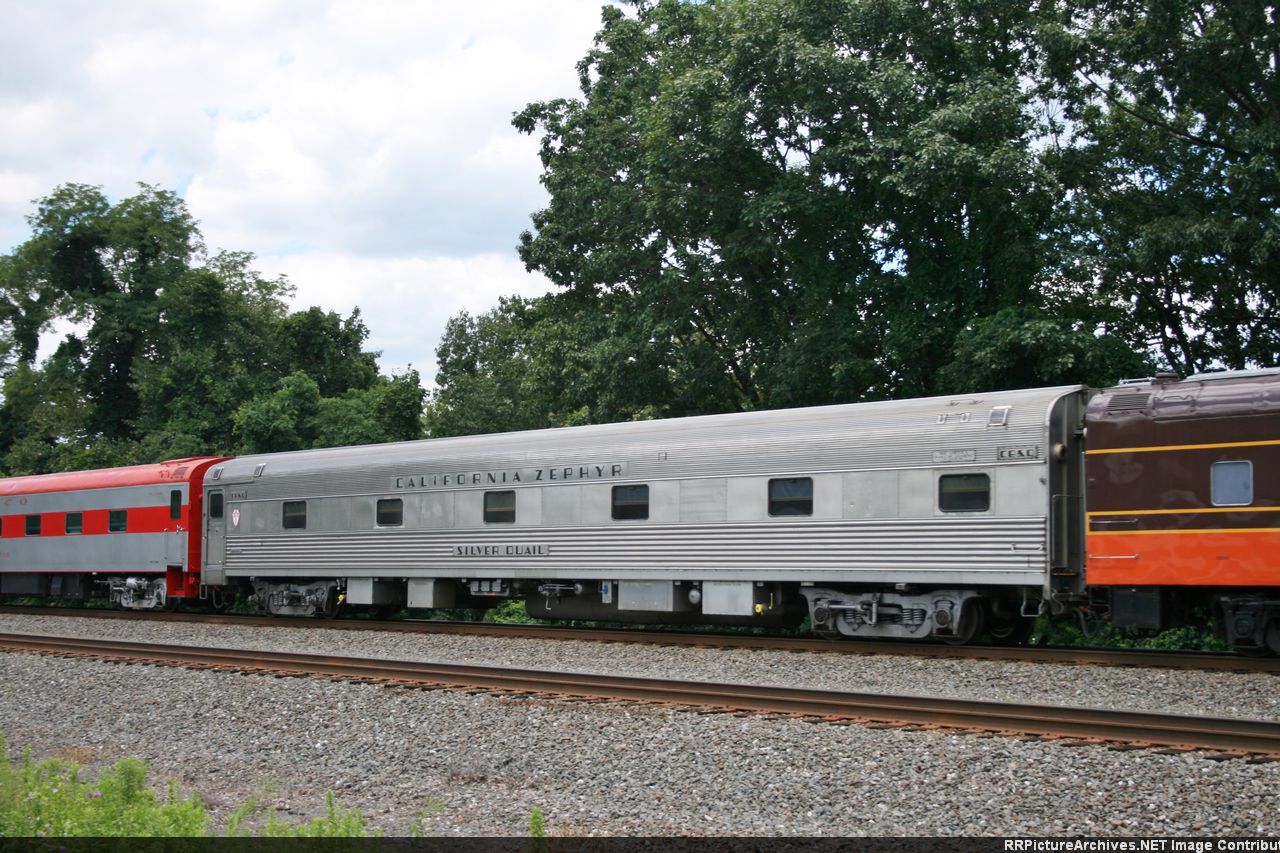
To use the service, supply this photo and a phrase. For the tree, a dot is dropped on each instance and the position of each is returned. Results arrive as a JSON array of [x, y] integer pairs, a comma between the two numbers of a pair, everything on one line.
[[794, 202], [176, 352], [1027, 348], [557, 360], [214, 348], [1176, 106], [284, 420], [107, 267], [296, 416], [389, 410], [328, 348]]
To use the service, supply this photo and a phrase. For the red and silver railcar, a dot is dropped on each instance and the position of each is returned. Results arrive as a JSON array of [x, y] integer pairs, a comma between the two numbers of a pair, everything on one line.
[[126, 528]]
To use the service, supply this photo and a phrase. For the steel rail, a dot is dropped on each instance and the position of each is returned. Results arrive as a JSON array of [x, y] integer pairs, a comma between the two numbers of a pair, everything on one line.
[[1142, 658], [1256, 738]]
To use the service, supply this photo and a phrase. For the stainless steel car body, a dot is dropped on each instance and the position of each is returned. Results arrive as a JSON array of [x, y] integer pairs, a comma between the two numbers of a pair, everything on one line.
[[875, 469]]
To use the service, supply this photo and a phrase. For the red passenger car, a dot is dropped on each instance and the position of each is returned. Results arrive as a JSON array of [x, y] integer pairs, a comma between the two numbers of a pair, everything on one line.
[[136, 530]]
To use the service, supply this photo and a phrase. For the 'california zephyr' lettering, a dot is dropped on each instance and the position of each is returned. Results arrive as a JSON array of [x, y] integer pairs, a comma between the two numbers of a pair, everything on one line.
[[511, 476]]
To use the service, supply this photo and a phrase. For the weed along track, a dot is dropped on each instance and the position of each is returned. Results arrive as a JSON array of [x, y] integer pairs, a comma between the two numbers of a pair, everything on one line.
[[1253, 739]]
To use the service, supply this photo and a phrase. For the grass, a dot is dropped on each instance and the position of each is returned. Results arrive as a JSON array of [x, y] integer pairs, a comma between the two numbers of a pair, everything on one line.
[[59, 798], [50, 798], [336, 822]]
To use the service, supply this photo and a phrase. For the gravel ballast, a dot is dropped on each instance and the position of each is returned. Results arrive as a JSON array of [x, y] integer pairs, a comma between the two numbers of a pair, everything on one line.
[[478, 764]]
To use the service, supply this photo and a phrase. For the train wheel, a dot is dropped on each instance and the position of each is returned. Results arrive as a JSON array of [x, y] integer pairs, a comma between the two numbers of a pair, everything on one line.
[[1272, 636], [973, 618], [1012, 631], [330, 607], [220, 601]]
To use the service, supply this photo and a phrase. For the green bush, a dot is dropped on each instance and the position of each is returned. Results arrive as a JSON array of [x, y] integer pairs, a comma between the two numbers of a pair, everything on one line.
[[50, 799], [510, 612], [1064, 632]]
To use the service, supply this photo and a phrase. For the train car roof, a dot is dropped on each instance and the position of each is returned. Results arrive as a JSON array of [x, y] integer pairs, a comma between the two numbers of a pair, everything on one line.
[[172, 471], [906, 422], [1204, 395]]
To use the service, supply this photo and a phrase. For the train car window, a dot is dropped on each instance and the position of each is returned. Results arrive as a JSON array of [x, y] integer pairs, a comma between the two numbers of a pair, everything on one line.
[[75, 522], [964, 493], [175, 504], [33, 525], [791, 496], [390, 512], [630, 502], [118, 521], [215, 505], [500, 507], [295, 515], [1231, 483]]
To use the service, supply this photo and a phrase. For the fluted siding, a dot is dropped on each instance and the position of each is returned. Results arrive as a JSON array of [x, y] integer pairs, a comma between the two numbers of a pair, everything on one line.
[[1003, 550]]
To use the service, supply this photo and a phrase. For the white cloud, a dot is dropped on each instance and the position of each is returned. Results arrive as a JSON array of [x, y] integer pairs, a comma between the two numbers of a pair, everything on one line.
[[362, 148], [408, 299]]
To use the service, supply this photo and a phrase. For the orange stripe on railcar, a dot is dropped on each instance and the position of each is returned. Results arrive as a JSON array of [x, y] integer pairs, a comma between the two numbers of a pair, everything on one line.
[[1243, 557]]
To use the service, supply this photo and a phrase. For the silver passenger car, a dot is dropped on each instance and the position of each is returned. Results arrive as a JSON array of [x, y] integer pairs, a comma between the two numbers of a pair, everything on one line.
[[930, 516]]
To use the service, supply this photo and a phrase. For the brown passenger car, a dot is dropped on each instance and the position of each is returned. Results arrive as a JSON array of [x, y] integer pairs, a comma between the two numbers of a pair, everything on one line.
[[1183, 502]]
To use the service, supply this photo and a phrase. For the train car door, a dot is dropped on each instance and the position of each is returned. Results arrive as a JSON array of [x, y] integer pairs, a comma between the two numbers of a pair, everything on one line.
[[175, 539], [215, 538], [1066, 490]]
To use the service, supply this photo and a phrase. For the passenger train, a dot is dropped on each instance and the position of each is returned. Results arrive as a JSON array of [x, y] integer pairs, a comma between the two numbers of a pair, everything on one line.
[[949, 517]]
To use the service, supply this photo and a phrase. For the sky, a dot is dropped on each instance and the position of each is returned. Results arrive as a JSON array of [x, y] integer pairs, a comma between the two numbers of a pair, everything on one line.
[[363, 149]]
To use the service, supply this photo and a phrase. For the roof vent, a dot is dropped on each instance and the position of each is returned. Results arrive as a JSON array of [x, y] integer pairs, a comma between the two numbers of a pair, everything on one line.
[[1127, 403], [999, 416], [257, 471]]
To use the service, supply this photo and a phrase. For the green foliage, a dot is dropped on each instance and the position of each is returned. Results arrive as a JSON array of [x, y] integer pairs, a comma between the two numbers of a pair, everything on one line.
[[335, 823], [1025, 348], [282, 421], [178, 352], [762, 203], [510, 612], [297, 416], [424, 825], [49, 798], [793, 203], [537, 826], [388, 410], [329, 349], [1175, 108], [451, 614], [553, 361], [1068, 633]]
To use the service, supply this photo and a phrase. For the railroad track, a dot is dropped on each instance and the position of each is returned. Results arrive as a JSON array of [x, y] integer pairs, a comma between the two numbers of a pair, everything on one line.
[[1143, 658], [1254, 739]]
